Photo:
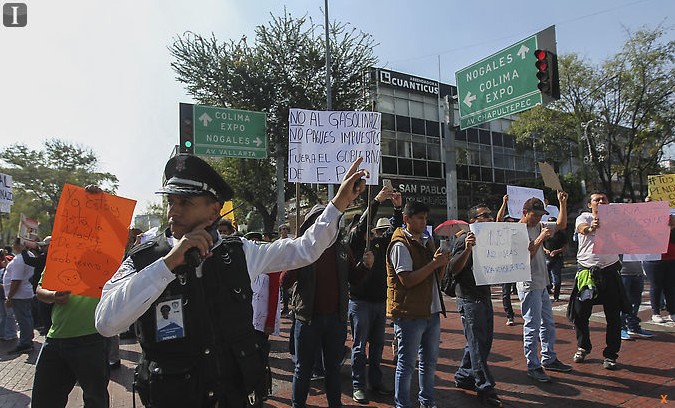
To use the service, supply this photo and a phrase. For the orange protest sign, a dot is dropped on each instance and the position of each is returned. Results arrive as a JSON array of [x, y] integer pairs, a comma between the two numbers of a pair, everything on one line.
[[88, 240]]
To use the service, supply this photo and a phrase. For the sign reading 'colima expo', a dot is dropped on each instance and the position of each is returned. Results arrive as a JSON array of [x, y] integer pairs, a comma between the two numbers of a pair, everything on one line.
[[221, 132], [323, 144], [502, 84]]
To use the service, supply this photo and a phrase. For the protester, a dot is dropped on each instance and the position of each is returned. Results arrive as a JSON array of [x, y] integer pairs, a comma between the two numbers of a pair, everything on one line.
[[507, 288], [597, 276], [218, 329], [554, 249], [661, 275], [633, 279], [414, 274], [474, 305], [535, 303], [320, 305], [367, 300], [73, 352], [7, 320], [42, 311], [19, 297]]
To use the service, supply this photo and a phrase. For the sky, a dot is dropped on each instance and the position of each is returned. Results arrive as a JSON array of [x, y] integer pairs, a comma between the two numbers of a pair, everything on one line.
[[98, 74]]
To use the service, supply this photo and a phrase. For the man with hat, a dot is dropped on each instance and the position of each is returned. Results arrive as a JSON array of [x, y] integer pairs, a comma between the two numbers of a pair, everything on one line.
[[538, 322], [368, 299], [217, 360]]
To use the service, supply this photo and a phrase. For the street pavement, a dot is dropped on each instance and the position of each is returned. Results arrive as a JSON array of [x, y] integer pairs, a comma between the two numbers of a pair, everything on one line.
[[645, 378]]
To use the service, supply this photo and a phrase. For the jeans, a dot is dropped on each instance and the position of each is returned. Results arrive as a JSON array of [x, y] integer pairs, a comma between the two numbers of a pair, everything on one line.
[[62, 362], [331, 333], [661, 275], [507, 290], [23, 312], [7, 322], [554, 266], [416, 337], [609, 295], [477, 318], [367, 321], [538, 327], [634, 285]]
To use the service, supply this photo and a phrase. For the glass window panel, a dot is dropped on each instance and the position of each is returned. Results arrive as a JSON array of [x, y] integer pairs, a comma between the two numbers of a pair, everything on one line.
[[484, 137], [460, 135], [405, 167], [463, 172], [499, 176], [486, 174], [473, 157], [402, 123], [485, 156], [497, 139], [417, 126], [403, 148], [420, 168], [401, 107], [432, 128], [385, 103], [509, 141], [419, 150], [388, 121], [433, 149], [435, 169], [472, 135], [388, 147], [431, 111], [389, 165], [474, 173], [416, 109]]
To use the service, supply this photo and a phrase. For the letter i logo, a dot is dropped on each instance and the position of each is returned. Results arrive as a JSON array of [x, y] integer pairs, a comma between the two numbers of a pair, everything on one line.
[[14, 15]]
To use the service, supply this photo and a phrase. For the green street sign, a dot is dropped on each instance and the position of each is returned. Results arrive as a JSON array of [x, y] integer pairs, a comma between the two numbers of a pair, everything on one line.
[[500, 85], [221, 132]]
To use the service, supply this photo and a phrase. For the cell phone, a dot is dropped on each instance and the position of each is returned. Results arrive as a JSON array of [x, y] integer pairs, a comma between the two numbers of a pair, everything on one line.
[[387, 183], [192, 257]]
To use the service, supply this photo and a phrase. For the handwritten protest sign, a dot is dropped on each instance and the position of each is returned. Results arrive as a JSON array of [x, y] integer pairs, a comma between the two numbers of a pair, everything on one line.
[[518, 196], [323, 144], [500, 254], [641, 257], [551, 179], [6, 195], [638, 228], [662, 188], [28, 231], [88, 240]]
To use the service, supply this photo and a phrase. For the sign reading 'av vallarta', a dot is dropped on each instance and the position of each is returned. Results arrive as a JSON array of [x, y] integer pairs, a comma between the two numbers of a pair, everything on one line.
[[221, 132], [502, 84]]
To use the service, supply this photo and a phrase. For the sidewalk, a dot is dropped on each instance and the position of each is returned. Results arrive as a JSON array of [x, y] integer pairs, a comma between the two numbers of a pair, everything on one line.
[[646, 368]]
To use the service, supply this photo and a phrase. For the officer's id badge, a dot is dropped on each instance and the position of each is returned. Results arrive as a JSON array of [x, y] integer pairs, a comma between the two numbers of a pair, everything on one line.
[[169, 319]]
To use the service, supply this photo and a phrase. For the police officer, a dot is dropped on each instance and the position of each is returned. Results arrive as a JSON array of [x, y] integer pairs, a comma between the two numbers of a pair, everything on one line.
[[209, 355]]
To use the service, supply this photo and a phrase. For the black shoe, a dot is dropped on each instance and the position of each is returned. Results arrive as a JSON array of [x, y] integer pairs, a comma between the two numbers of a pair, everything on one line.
[[382, 390], [491, 400], [21, 349], [115, 365], [557, 365], [127, 335], [465, 386]]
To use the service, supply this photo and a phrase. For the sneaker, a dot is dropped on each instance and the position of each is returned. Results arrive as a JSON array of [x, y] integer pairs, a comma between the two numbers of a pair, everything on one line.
[[491, 400], [423, 405], [557, 365], [539, 375], [672, 317], [609, 364], [21, 349], [639, 332], [382, 390], [114, 365], [317, 376], [360, 396], [625, 335], [658, 319], [580, 355], [510, 322]]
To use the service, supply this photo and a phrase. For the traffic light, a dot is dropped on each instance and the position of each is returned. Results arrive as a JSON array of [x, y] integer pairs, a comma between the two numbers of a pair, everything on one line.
[[186, 116], [547, 73]]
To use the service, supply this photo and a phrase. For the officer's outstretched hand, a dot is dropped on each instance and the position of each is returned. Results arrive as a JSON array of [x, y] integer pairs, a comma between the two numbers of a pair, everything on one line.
[[197, 238], [352, 185]]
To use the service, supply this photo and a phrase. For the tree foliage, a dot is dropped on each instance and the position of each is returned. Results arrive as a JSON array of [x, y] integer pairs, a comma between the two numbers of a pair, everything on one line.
[[284, 68], [39, 175], [616, 116]]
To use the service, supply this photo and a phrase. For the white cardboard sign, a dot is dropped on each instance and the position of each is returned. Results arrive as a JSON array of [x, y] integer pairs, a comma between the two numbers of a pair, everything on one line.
[[500, 254]]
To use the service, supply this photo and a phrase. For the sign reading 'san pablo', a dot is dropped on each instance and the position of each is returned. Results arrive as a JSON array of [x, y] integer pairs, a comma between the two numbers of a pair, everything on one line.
[[323, 144]]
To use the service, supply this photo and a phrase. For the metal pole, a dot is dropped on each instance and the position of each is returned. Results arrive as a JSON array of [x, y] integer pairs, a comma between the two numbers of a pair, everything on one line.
[[297, 210], [329, 96]]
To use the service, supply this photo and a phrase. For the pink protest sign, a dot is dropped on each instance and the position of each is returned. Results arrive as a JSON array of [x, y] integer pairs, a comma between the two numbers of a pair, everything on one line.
[[640, 228]]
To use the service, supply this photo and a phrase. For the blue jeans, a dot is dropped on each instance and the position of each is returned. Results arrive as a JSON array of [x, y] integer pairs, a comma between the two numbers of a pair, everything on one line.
[[62, 362], [478, 320], [554, 266], [23, 312], [538, 326], [661, 275], [7, 321], [331, 333], [634, 285], [367, 321], [416, 337]]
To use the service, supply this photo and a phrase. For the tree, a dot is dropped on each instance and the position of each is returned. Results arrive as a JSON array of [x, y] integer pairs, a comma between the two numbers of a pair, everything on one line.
[[283, 69], [39, 176], [617, 116]]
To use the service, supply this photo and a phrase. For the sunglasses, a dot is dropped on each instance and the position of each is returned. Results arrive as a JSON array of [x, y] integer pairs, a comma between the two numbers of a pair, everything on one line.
[[486, 214]]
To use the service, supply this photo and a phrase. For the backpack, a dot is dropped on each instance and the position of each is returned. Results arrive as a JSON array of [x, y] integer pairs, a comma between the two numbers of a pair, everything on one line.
[[448, 283]]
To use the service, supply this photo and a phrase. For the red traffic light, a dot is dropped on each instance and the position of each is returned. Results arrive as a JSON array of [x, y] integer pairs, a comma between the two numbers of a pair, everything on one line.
[[540, 55], [542, 63]]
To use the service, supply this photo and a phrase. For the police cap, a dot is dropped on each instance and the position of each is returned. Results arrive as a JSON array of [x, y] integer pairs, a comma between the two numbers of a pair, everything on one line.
[[189, 175]]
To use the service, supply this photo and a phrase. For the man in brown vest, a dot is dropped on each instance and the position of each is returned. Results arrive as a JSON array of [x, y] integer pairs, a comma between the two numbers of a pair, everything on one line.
[[414, 272]]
